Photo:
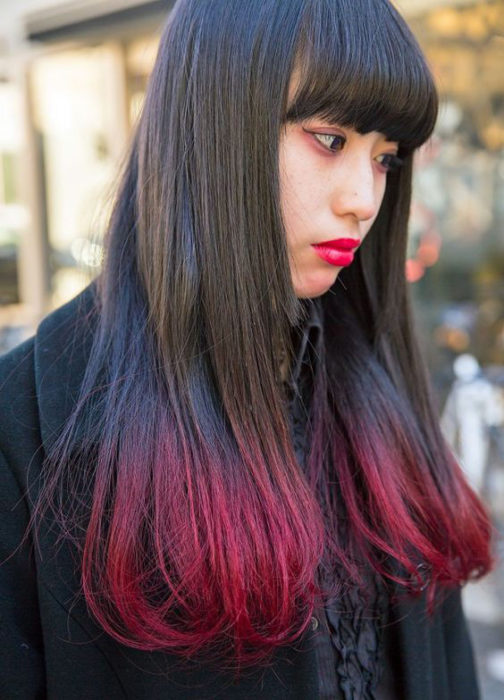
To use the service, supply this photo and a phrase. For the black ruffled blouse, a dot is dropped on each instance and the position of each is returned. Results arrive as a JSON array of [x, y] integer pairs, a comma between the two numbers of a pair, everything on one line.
[[350, 633]]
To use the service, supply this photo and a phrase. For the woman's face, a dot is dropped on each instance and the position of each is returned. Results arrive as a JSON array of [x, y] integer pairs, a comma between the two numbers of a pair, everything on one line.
[[332, 182]]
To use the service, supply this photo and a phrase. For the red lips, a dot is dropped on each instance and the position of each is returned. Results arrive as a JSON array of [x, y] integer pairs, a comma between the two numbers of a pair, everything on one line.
[[338, 252], [343, 244]]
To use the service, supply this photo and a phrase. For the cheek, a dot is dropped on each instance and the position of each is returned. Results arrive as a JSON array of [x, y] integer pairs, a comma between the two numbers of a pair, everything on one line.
[[298, 189], [301, 203], [293, 208]]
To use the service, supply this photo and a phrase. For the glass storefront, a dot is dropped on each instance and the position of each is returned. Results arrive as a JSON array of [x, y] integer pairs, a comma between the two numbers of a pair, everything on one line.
[[85, 102], [13, 216]]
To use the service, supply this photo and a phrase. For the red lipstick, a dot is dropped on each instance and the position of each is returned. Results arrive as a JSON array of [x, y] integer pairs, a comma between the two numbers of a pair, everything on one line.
[[338, 252]]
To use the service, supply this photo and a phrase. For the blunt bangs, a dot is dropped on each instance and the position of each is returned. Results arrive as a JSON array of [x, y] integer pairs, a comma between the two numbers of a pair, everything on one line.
[[368, 73]]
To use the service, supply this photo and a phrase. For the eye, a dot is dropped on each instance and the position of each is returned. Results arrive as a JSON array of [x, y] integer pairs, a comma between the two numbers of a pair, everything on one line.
[[333, 142], [390, 162]]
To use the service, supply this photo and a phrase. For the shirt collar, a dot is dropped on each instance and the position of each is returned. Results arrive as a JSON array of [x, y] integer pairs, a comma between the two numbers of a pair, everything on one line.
[[307, 341]]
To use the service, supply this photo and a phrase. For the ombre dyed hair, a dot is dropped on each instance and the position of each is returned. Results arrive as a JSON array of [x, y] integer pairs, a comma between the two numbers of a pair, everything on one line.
[[203, 535]]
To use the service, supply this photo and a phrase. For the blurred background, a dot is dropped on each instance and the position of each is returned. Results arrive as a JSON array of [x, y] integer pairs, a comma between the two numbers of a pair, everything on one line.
[[72, 82]]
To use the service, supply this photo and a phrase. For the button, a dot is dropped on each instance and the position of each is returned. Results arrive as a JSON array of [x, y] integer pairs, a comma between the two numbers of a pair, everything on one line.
[[314, 623]]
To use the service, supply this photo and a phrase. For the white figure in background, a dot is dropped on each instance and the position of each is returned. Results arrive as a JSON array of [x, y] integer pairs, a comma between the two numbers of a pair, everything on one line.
[[473, 406]]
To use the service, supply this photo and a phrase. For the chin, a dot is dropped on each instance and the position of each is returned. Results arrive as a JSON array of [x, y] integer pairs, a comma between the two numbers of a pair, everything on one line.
[[314, 286]]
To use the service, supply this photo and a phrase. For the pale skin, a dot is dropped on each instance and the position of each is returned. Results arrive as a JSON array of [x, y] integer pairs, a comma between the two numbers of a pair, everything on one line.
[[332, 183]]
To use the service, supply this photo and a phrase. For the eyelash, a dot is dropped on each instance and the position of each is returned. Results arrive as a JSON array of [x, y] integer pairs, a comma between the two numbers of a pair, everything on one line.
[[389, 161]]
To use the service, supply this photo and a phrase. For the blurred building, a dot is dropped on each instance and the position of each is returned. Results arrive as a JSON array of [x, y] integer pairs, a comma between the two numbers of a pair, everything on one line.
[[72, 80], [457, 241]]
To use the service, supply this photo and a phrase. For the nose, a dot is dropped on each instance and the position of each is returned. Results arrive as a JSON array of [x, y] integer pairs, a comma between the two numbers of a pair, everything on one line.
[[354, 189]]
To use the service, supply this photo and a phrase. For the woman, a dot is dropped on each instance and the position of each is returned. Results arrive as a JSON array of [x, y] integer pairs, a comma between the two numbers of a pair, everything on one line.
[[225, 450]]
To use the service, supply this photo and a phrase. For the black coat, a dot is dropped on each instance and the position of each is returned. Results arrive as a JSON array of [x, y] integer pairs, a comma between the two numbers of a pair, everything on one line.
[[49, 645]]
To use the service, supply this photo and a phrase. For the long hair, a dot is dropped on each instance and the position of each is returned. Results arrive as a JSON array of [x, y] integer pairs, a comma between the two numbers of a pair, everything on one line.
[[203, 535]]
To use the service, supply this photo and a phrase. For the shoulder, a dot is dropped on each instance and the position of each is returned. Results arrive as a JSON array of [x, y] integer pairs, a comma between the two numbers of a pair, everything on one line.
[[53, 336], [18, 410], [61, 353], [63, 338], [40, 377], [68, 324], [16, 370]]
